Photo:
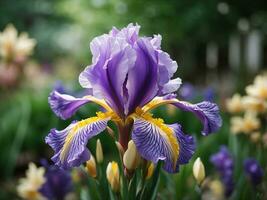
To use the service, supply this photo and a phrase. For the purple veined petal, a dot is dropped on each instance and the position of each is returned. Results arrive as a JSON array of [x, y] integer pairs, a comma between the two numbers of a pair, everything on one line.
[[206, 112], [64, 105], [156, 141], [142, 79], [69, 144]]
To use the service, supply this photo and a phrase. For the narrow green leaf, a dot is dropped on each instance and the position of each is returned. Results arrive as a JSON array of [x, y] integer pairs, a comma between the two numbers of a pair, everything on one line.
[[132, 187]]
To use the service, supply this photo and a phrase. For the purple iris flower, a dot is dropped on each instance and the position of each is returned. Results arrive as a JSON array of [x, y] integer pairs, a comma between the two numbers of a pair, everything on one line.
[[253, 170], [58, 182], [224, 163], [129, 76]]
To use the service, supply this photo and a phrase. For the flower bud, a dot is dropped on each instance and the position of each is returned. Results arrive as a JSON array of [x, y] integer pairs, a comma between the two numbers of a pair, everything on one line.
[[199, 170], [110, 132], [120, 148], [131, 158], [150, 171], [99, 152], [91, 167], [113, 176]]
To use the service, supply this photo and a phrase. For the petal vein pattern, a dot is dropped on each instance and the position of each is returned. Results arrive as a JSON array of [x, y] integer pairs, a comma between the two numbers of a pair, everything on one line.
[[70, 144], [206, 112], [159, 140]]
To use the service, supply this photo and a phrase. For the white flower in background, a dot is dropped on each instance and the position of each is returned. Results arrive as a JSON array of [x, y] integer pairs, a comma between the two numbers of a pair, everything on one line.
[[259, 87], [29, 186], [13, 46], [234, 105]]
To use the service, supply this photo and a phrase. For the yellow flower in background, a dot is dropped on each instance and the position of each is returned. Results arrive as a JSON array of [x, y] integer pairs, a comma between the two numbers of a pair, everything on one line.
[[113, 176], [29, 186], [254, 104], [214, 190], [247, 124], [234, 105], [236, 125], [199, 171], [259, 87], [14, 46], [255, 137], [217, 188], [131, 157]]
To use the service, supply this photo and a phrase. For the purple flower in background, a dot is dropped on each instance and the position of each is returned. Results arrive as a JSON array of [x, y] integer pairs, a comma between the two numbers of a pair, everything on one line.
[[129, 76], [59, 87], [209, 94], [187, 91], [224, 163], [58, 182], [253, 170]]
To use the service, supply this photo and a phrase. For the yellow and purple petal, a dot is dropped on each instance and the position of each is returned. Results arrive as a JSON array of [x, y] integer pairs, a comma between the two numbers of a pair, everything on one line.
[[64, 105], [208, 113], [156, 141], [69, 144]]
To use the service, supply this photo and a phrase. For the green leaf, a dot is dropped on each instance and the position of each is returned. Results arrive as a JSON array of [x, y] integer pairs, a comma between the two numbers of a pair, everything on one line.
[[111, 195], [151, 188], [132, 187]]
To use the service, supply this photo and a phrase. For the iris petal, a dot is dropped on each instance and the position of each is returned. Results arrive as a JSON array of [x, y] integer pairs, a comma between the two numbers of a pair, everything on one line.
[[156, 141], [64, 105], [142, 79], [207, 112], [112, 59], [70, 144]]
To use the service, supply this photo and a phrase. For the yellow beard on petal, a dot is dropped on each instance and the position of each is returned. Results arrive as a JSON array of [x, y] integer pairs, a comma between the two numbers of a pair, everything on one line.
[[166, 132], [78, 126]]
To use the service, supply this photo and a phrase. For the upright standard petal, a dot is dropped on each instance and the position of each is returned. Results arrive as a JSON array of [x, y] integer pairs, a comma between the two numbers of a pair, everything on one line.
[[207, 112], [142, 79], [70, 144], [64, 105], [108, 74], [156, 141]]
